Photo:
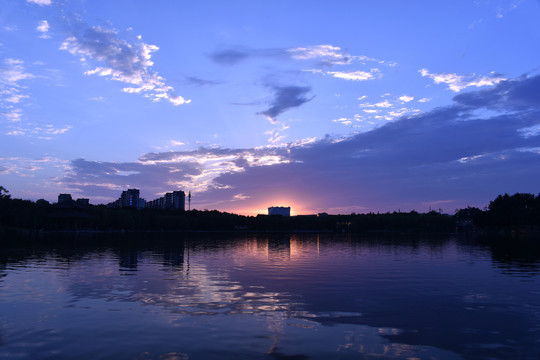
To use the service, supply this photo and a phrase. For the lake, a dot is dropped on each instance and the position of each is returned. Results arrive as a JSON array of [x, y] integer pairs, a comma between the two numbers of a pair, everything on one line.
[[276, 296]]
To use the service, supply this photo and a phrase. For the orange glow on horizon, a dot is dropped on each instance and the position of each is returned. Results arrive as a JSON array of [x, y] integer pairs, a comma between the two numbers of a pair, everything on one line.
[[299, 206]]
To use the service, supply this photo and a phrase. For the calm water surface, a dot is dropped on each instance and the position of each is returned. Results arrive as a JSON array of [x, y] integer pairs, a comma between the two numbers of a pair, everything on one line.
[[267, 297]]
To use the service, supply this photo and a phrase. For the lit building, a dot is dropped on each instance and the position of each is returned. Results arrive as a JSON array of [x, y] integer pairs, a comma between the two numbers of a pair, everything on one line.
[[130, 198], [279, 210]]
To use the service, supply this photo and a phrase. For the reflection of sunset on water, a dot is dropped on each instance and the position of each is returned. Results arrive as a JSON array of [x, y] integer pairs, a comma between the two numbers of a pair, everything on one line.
[[275, 295]]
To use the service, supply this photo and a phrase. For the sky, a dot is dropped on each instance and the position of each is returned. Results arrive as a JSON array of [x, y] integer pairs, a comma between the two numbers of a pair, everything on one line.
[[323, 106]]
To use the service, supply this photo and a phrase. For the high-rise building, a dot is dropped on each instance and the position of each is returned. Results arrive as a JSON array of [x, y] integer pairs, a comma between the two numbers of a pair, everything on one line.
[[179, 200], [130, 198], [175, 200]]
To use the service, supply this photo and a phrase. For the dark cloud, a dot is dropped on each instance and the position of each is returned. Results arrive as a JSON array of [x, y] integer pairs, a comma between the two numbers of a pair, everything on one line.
[[234, 56], [448, 156], [285, 98], [95, 178], [156, 173], [517, 94], [319, 55], [229, 57], [201, 82]]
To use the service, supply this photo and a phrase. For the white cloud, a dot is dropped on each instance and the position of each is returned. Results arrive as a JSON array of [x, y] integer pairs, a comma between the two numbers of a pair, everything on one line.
[[383, 104], [12, 92], [241, 197], [424, 100], [406, 98], [40, 2], [347, 75], [11, 27], [386, 110], [13, 115], [13, 72], [26, 167], [457, 82], [37, 131], [43, 28], [15, 133], [123, 61], [326, 53], [343, 120], [352, 75], [530, 131], [276, 133]]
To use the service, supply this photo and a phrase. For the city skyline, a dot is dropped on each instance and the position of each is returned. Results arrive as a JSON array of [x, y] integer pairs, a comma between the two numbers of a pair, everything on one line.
[[324, 107]]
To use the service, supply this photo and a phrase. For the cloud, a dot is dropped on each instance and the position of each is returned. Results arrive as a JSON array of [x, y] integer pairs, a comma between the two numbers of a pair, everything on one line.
[[447, 156], [127, 62], [324, 54], [13, 115], [12, 91], [381, 104], [285, 98], [276, 133], [13, 94], [201, 82], [40, 2], [13, 71], [406, 98], [432, 158], [353, 75], [517, 94], [38, 131], [319, 55], [43, 28], [27, 167], [230, 56], [156, 173], [457, 82]]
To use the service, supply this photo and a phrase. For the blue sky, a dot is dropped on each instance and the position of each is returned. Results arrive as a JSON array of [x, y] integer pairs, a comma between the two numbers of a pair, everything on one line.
[[336, 106]]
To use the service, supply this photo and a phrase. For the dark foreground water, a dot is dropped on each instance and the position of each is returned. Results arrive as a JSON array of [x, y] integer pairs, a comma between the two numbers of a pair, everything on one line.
[[267, 297]]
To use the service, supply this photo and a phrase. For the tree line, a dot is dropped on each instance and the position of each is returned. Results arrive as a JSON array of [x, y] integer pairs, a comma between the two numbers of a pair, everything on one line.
[[507, 212]]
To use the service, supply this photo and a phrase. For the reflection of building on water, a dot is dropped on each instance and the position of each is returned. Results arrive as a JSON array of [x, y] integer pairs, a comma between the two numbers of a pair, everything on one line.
[[279, 248], [174, 257], [128, 258]]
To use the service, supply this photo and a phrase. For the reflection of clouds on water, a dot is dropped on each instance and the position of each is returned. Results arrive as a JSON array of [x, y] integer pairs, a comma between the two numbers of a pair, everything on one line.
[[294, 296]]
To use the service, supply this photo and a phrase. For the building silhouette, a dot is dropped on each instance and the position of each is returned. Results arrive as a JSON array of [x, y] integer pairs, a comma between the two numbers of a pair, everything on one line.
[[175, 200], [279, 210], [64, 198], [129, 198], [82, 202]]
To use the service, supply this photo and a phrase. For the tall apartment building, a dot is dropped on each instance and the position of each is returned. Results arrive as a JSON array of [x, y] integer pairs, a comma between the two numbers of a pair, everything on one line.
[[130, 198], [175, 200]]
